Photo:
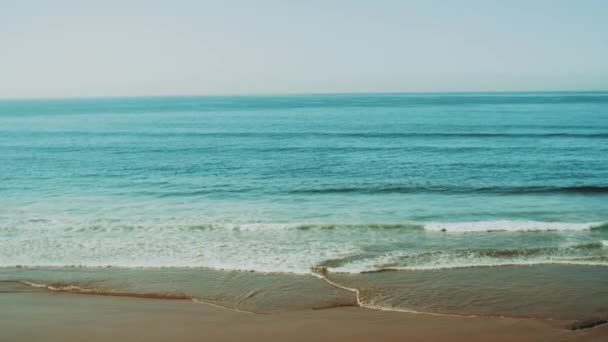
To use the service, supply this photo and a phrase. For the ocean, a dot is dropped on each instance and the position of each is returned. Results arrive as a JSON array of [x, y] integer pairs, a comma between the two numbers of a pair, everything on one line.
[[455, 188]]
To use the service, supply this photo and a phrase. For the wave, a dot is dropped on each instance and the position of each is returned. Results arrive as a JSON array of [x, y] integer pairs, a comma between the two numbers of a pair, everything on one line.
[[511, 226], [473, 226], [173, 224], [590, 253], [516, 252], [358, 135], [380, 226], [373, 189], [389, 189], [287, 247], [471, 265], [303, 226]]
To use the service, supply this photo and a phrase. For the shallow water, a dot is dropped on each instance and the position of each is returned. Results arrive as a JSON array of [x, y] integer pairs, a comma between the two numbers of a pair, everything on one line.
[[569, 292]]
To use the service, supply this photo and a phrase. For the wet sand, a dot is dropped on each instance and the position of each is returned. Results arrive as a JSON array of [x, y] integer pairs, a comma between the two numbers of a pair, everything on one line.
[[29, 314], [561, 292]]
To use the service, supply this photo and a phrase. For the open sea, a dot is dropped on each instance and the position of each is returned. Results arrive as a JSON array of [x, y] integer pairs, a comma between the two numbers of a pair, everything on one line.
[[443, 203]]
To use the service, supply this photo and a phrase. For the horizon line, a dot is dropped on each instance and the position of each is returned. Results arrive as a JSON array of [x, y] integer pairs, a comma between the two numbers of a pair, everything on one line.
[[267, 94]]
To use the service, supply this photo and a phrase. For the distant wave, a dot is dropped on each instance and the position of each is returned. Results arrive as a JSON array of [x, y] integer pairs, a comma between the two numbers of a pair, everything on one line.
[[583, 189], [388, 189], [374, 189], [360, 135]]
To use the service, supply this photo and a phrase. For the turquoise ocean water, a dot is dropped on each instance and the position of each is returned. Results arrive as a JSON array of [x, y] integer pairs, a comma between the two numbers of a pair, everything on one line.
[[353, 183]]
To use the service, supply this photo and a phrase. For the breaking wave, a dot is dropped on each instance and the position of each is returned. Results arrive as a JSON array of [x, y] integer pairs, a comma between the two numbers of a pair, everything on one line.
[[295, 247], [591, 253], [512, 226]]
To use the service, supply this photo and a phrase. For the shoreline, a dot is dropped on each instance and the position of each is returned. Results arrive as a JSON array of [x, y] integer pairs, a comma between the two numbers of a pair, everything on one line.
[[59, 288], [52, 316], [545, 292]]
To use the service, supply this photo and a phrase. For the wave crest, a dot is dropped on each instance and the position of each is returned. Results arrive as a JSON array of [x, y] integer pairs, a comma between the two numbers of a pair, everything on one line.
[[510, 226]]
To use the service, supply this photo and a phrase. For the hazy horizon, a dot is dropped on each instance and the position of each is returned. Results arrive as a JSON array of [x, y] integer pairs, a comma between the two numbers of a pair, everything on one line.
[[279, 94], [188, 48]]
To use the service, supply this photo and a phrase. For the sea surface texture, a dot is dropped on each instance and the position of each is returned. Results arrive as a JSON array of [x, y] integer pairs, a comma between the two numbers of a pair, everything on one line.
[[350, 183]]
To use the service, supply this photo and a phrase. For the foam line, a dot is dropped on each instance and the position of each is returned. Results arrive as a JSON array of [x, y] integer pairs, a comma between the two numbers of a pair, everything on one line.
[[244, 298], [509, 226], [199, 301], [322, 274]]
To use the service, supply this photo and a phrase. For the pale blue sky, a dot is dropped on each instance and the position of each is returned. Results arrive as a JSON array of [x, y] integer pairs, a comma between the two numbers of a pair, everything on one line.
[[131, 48]]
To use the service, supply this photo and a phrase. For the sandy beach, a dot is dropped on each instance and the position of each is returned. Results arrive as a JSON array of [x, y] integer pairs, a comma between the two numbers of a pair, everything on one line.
[[30, 314]]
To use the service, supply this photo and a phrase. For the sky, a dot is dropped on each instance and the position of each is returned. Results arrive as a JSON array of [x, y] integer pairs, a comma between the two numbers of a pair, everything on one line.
[[145, 48]]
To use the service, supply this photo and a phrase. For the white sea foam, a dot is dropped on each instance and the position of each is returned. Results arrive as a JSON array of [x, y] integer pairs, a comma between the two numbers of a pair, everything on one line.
[[506, 225], [295, 247], [585, 253]]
